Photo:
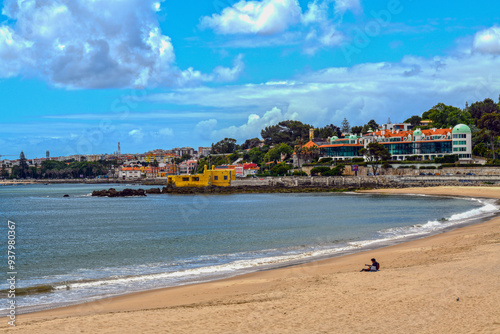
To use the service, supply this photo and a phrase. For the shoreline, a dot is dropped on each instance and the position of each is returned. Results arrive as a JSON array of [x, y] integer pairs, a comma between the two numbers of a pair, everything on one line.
[[247, 291], [339, 251]]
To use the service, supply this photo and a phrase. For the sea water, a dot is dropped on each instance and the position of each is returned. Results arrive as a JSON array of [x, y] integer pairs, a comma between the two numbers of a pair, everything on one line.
[[80, 248]]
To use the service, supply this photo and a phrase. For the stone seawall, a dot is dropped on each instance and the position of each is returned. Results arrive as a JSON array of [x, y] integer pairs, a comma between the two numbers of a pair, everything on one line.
[[359, 182], [311, 184], [418, 168]]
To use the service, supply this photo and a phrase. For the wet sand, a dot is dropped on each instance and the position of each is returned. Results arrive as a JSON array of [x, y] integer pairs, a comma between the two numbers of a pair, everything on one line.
[[447, 283]]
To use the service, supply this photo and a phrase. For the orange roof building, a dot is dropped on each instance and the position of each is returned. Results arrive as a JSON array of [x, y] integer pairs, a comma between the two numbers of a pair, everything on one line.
[[401, 144]]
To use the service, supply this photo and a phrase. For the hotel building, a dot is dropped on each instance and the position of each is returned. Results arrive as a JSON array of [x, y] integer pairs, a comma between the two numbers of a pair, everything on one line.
[[401, 144]]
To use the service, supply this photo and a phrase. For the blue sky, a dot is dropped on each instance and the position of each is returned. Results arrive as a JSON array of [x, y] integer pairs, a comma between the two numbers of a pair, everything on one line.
[[76, 77]]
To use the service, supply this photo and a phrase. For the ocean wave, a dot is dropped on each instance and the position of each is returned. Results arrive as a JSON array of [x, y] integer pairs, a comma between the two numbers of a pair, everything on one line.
[[488, 208]]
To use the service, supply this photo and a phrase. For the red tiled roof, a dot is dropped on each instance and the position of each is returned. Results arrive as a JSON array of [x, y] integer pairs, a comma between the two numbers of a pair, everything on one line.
[[310, 144], [339, 145]]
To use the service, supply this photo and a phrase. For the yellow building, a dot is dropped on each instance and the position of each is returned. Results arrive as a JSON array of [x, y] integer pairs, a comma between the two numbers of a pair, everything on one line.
[[212, 177]]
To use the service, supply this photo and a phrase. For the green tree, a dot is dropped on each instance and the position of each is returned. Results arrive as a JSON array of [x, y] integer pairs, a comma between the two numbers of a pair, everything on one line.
[[490, 124], [357, 129], [255, 155], [327, 131], [4, 173], [478, 109], [272, 155], [14, 172], [323, 132], [480, 150], [285, 132], [414, 120], [201, 165], [373, 125], [280, 169], [285, 149], [33, 172], [49, 165], [374, 153], [319, 170], [444, 116], [345, 127], [336, 171], [250, 143], [226, 145], [23, 166]]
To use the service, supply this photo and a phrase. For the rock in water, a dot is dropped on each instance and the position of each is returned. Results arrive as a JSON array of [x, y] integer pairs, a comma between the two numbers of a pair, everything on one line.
[[112, 192]]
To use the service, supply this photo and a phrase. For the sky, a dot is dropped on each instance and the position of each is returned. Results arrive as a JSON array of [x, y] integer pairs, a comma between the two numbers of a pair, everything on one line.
[[77, 77]]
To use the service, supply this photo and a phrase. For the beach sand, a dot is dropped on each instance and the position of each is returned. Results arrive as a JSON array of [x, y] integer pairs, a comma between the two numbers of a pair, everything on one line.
[[447, 283]]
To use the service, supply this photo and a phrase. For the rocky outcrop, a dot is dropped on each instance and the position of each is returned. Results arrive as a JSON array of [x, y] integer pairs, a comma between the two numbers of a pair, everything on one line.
[[153, 191], [112, 192]]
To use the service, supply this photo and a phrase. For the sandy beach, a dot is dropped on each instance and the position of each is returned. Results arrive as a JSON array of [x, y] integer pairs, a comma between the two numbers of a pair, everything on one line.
[[446, 283]]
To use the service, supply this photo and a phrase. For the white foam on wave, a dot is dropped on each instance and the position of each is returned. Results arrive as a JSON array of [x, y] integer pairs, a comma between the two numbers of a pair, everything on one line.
[[198, 274], [488, 208], [241, 265]]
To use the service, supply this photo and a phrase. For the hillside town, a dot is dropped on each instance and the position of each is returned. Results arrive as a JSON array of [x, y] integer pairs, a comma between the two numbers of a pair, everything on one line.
[[443, 136], [401, 142]]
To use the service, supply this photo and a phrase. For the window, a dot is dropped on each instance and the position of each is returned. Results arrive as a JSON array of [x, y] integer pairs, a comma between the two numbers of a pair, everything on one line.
[[185, 179], [225, 177], [196, 179], [459, 149], [216, 178]]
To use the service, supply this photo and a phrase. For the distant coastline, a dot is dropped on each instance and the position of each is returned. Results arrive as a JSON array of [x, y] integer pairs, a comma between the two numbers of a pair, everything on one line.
[[280, 184]]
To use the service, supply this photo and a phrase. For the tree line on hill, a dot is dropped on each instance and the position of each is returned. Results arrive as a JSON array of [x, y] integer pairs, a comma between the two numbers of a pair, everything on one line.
[[483, 117], [52, 169]]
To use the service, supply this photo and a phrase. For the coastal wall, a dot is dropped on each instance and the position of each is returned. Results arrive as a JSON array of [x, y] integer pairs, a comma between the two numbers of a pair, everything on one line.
[[390, 178], [419, 168], [382, 181]]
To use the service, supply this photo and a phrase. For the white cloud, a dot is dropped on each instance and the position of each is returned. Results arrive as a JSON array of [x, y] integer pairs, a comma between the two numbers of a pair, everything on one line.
[[342, 6], [264, 17], [191, 77], [316, 12], [167, 132], [360, 93], [205, 128], [225, 74], [253, 126], [137, 135], [12, 52], [323, 32], [267, 19], [488, 41], [92, 44], [88, 44]]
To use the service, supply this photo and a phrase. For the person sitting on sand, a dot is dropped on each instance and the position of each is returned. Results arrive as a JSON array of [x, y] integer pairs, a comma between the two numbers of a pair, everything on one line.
[[372, 267]]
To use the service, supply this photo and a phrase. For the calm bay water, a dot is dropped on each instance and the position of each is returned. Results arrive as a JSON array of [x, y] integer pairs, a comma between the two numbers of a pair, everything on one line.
[[83, 248]]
